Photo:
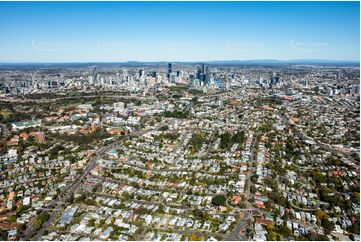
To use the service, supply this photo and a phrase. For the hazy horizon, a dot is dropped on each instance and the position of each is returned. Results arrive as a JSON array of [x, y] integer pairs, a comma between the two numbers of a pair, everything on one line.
[[289, 61]]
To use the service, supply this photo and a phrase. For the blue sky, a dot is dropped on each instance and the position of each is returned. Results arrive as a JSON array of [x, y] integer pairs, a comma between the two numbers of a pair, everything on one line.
[[178, 31]]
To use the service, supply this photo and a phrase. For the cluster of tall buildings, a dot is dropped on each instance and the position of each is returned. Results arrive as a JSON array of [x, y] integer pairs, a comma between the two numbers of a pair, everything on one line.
[[204, 79], [274, 81], [174, 76], [203, 74]]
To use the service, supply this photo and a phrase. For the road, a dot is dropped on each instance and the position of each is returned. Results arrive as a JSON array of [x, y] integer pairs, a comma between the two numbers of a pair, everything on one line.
[[64, 196], [238, 232]]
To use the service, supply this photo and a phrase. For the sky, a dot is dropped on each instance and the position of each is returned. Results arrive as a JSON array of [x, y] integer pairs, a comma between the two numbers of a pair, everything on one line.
[[178, 31]]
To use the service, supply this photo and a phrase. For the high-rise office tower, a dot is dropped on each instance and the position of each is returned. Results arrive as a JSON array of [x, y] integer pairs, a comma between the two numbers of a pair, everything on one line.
[[95, 74], [172, 77], [207, 76], [169, 67], [202, 73], [199, 71], [125, 74], [169, 71]]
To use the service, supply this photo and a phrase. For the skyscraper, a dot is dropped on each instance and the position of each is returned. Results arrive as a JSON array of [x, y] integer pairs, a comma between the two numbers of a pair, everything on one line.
[[202, 74], [198, 74], [169, 67], [125, 74], [169, 71], [207, 76], [95, 74]]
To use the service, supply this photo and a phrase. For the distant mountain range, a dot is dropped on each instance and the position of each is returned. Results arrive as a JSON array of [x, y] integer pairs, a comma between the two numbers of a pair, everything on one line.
[[275, 61], [215, 62]]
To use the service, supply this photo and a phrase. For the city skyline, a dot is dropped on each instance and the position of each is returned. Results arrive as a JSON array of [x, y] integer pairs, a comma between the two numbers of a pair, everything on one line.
[[178, 31]]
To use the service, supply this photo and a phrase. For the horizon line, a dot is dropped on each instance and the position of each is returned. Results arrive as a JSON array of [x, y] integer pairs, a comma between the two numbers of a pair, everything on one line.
[[185, 61]]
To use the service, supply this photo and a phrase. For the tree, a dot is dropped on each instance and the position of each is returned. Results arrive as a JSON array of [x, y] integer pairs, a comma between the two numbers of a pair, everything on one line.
[[12, 218], [161, 209], [196, 141], [164, 128], [102, 221], [317, 237], [254, 178], [318, 177], [225, 140], [3, 234], [21, 209], [285, 230], [198, 213], [321, 215], [253, 189], [355, 197], [328, 226], [242, 205], [175, 114], [91, 222], [272, 236], [219, 200], [239, 137], [141, 210], [194, 237], [268, 204]]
